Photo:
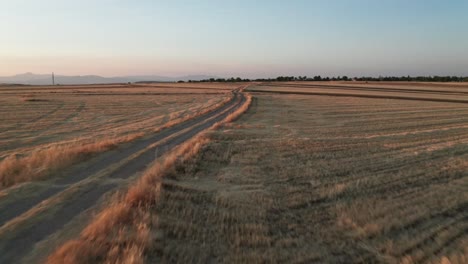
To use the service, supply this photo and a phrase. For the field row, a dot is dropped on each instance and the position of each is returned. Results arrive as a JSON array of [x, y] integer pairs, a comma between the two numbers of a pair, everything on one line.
[[437, 94], [423, 86]]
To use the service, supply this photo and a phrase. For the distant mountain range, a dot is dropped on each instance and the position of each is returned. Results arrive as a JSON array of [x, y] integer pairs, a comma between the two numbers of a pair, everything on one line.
[[46, 79]]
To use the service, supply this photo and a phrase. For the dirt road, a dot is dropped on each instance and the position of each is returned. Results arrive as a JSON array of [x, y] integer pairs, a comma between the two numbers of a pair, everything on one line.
[[28, 218]]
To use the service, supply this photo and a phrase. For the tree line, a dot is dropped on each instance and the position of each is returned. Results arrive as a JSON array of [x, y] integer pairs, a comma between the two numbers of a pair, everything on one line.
[[342, 78]]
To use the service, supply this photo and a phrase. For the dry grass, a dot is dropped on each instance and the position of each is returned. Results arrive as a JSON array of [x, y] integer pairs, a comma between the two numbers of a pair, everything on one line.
[[233, 116], [39, 164], [126, 230]]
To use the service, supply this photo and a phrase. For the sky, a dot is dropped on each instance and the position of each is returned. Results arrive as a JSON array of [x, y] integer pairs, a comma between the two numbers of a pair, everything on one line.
[[263, 38]]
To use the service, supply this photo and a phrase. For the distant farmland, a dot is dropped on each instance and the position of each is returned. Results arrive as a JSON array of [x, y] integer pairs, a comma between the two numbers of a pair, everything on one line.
[[457, 93]]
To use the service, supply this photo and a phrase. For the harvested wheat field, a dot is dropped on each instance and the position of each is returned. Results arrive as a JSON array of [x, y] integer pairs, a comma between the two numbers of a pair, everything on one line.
[[36, 121], [63, 153], [301, 179]]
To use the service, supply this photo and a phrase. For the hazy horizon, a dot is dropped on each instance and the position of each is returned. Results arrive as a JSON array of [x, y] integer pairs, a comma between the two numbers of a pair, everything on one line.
[[239, 38]]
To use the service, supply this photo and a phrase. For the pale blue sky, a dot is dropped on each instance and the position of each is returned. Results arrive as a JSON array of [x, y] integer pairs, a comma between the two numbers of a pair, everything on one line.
[[234, 38]]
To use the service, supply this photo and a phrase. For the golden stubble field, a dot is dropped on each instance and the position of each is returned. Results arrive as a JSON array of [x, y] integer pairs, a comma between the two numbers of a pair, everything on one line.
[[45, 127], [304, 178]]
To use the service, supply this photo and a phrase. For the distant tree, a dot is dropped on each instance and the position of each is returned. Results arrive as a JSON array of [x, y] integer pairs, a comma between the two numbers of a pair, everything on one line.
[[344, 78]]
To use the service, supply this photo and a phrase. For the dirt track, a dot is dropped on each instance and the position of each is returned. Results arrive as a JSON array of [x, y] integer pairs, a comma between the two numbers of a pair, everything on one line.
[[27, 219]]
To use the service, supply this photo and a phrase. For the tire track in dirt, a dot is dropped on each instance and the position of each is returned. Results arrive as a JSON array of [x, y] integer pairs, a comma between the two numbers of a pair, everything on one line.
[[40, 132], [47, 223], [46, 114], [32, 121], [65, 120]]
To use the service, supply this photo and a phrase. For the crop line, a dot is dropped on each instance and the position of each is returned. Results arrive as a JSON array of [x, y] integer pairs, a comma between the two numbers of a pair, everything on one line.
[[365, 96], [363, 88]]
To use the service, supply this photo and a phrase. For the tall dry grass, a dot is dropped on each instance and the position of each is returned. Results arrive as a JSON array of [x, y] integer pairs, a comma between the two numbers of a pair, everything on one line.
[[123, 232], [39, 164], [236, 114]]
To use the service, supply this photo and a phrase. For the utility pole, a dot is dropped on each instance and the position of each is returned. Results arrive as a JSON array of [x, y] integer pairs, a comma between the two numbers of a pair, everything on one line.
[[53, 79]]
